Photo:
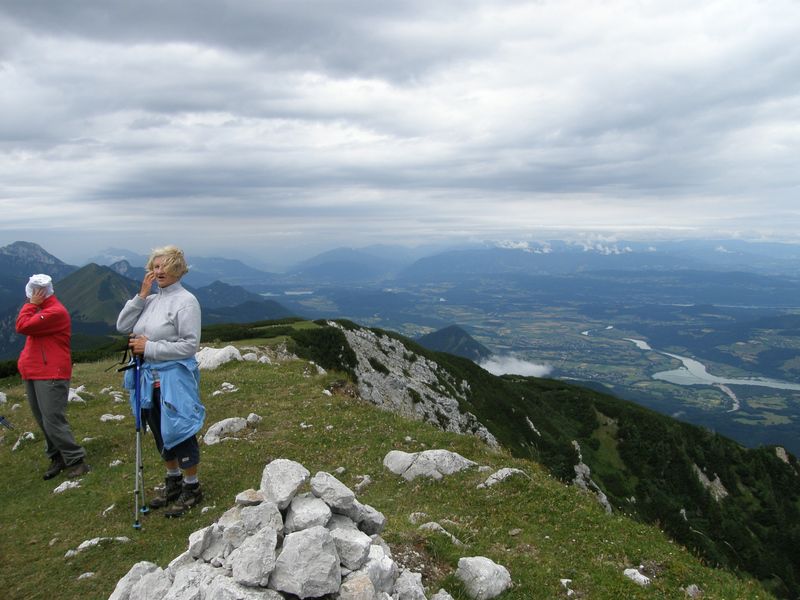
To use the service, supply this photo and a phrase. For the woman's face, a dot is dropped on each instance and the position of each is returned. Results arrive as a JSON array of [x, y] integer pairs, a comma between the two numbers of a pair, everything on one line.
[[163, 279]]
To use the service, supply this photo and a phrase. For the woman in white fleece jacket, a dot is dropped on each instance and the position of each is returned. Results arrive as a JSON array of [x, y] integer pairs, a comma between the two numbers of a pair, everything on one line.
[[165, 330]]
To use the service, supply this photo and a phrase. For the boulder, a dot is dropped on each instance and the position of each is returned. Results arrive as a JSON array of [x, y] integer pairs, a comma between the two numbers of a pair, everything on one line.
[[482, 578], [228, 426], [281, 479], [429, 463], [307, 565]]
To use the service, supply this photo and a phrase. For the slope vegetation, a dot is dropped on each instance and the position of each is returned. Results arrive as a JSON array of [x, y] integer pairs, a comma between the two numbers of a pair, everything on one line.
[[541, 530]]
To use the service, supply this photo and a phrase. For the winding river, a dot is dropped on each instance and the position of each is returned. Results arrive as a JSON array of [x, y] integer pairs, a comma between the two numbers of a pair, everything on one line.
[[694, 372]]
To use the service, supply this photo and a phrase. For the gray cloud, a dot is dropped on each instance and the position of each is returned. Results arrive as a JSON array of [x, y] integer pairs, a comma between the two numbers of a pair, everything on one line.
[[413, 120]]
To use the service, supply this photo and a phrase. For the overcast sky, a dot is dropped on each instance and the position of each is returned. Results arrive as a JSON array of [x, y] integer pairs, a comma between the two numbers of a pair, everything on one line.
[[277, 128]]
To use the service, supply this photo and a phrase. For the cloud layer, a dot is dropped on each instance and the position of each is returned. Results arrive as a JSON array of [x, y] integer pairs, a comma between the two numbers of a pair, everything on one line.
[[512, 365], [270, 125]]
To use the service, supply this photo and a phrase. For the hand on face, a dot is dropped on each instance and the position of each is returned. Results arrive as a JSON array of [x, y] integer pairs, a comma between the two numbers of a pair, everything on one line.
[[147, 284], [38, 296]]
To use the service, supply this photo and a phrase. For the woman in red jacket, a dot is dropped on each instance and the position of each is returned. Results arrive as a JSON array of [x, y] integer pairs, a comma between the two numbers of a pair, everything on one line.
[[45, 365]]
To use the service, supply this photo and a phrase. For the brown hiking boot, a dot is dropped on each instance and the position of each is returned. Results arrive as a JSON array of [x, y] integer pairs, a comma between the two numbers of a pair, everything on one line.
[[191, 494], [78, 469], [169, 493]]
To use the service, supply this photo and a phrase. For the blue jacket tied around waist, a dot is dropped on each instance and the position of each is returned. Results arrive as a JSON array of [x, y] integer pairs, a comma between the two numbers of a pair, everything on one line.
[[182, 413]]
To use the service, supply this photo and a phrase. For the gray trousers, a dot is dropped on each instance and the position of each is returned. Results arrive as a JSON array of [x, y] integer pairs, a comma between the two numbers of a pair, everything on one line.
[[48, 401]]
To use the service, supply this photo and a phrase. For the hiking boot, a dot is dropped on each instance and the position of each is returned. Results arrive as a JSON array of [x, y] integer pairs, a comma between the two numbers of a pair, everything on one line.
[[78, 469], [56, 466], [168, 493], [191, 494]]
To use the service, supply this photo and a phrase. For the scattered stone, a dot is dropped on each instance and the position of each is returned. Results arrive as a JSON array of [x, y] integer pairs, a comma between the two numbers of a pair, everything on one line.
[[436, 528], [365, 481], [482, 578], [3, 398], [222, 428], [416, 517], [327, 392], [108, 510], [501, 475], [109, 417], [73, 396], [86, 575], [693, 591], [27, 436], [93, 543], [254, 419], [115, 463], [428, 463], [211, 358], [70, 484], [635, 576], [225, 388]]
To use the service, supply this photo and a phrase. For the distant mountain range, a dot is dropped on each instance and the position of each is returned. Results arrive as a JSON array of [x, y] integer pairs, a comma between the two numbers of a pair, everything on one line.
[[95, 294]]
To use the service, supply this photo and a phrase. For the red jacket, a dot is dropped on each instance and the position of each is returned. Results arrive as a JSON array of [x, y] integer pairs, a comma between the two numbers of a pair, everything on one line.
[[46, 354]]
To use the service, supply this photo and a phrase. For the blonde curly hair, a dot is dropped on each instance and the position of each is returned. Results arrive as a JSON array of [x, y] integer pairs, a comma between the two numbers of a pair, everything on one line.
[[174, 262]]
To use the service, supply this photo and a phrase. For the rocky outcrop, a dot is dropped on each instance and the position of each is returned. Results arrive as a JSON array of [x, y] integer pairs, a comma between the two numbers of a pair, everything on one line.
[[714, 486], [583, 480], [397, 379]]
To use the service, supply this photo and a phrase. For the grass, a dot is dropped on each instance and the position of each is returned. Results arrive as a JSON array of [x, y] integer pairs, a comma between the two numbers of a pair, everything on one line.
[[540, 529]]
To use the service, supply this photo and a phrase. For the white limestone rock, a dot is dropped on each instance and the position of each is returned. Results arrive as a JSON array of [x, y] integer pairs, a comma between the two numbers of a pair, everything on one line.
[[409, 586], [222, 428], [441, 595], [357, 586], [191, 582], [281, 479], [225, 588], [381, 569], [211, 358], [152, 586], [335, 494], [122, 591], [265, 514], [307, 565], [252, 563], [482, 577], [637, 577], [306, 511], [352, 546], [429, 463], [501, 475], [249, 497]]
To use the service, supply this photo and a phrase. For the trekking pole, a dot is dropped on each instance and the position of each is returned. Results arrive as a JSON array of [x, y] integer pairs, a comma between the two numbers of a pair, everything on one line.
[[138, 486]]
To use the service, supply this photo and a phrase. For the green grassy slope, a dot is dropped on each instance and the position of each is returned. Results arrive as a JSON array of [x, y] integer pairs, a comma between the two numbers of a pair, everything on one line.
[[562, 533]]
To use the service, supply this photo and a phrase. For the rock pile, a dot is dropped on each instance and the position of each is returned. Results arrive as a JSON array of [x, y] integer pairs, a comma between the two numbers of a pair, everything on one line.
[[277, 542], [280, 542]]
